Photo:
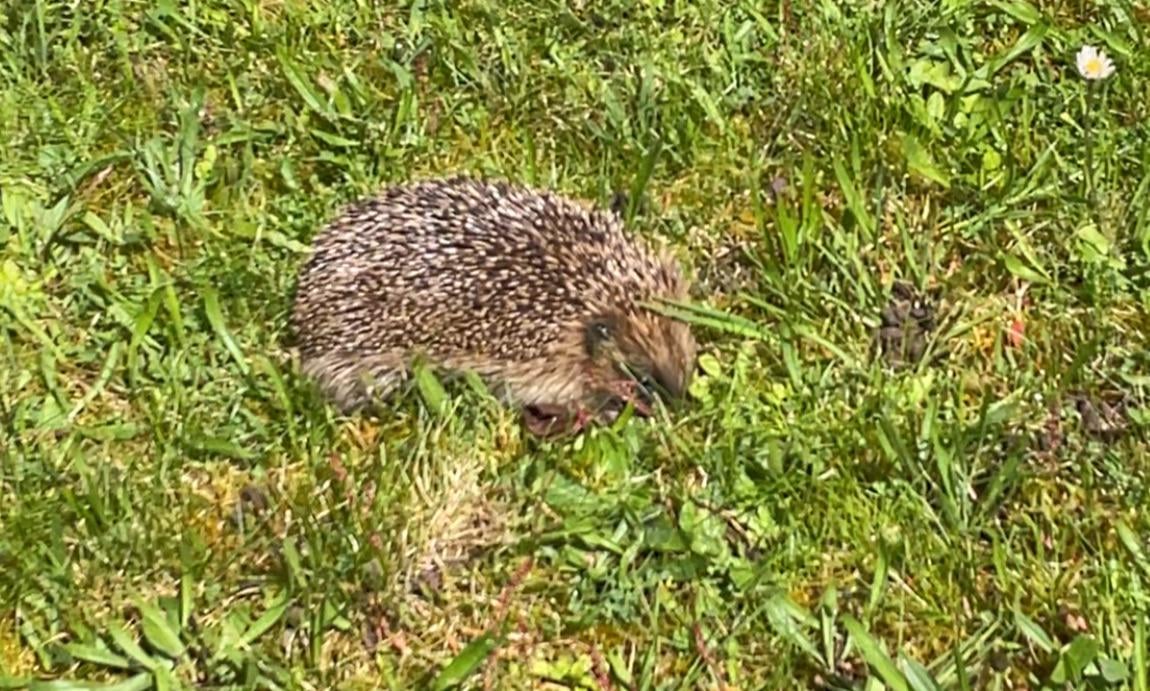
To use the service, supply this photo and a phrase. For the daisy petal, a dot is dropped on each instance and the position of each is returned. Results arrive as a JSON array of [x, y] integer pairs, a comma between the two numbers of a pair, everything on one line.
[[1093, 64]]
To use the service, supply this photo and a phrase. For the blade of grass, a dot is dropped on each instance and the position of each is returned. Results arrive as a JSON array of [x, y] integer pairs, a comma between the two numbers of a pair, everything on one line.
[[215, 317], [463, 665], [873, 653]]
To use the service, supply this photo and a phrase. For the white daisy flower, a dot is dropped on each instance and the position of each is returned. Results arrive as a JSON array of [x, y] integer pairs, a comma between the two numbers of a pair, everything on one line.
[[1094, 64]]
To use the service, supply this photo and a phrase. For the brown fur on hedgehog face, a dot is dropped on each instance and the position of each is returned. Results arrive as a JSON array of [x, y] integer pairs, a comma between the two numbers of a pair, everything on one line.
[[631, 356], [656, 352]]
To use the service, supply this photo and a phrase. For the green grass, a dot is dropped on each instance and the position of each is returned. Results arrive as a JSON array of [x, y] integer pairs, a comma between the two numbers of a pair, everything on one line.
[[178, 508]]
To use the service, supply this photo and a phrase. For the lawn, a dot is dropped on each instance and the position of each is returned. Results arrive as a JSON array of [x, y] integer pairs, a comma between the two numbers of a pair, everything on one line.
[[915, 455]]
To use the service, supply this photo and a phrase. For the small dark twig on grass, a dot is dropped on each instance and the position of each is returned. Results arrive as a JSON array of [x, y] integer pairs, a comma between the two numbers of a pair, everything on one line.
[[705, 654], [599, 666], [511, 587], [501, 608]]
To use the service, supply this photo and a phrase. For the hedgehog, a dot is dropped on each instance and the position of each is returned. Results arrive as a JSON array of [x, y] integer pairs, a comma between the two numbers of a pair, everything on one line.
[[545, 297]]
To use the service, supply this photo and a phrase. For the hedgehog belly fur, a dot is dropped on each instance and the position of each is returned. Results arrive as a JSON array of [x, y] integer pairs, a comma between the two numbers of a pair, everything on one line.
[[354, 380], [469, 275]]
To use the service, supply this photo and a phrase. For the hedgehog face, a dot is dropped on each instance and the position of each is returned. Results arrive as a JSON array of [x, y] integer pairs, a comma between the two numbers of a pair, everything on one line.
[[631, 357], [637, 357]]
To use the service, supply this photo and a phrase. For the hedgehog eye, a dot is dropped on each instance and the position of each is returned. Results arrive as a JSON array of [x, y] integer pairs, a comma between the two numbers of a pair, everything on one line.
[[597, 333]]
